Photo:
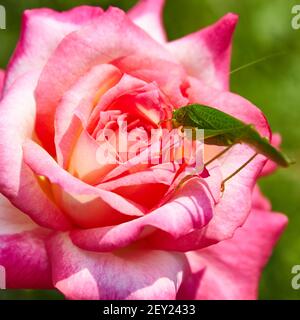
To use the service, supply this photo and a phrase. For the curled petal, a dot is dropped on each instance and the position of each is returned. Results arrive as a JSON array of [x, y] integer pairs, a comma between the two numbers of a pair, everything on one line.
[[190, 208], [170, 77], [81, 98], [206, 54], [17, 182], [227, 217], [86, 205], [147, 14], [47, 28]]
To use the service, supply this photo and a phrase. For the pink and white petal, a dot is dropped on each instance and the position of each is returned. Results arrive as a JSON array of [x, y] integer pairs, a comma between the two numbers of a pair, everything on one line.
[[84, 204], [206, 54], [17, 182], [147, 14], [227, 217], [47, 28], [81, 97], [108, 38], [190, 208], [271, 166], [211, 177], [130, 95], [22, 250], [131, 274], [126, 85], [170, 77], [231, 269], [88, 168]]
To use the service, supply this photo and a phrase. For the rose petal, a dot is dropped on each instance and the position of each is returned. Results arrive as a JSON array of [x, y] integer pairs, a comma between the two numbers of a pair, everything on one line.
[[110, 37], [170, 77], [47, 28], [138, 185], [22, 250], [206, 54], [227, 217], [82, 97], [126, 85], [231, 269], [17, 182], [88, 168], [86, 205], [190, 208], [131, 274], [147, 14]]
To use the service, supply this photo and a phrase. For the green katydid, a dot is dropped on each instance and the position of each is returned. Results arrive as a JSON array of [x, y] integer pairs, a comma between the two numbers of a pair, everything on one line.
[[224, 130]]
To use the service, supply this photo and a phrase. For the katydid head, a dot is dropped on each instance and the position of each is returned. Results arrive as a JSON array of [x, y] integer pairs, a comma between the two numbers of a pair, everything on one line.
[[179, 115]]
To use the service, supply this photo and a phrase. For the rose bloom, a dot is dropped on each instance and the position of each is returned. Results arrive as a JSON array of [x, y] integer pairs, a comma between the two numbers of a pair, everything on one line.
[[127, 230]]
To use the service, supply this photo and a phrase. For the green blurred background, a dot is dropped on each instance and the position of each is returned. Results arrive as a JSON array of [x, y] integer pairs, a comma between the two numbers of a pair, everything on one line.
[[273, 85]]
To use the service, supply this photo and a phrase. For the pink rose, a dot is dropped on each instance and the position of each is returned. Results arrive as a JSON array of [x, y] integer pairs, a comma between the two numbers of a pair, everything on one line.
[[97, 230]]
